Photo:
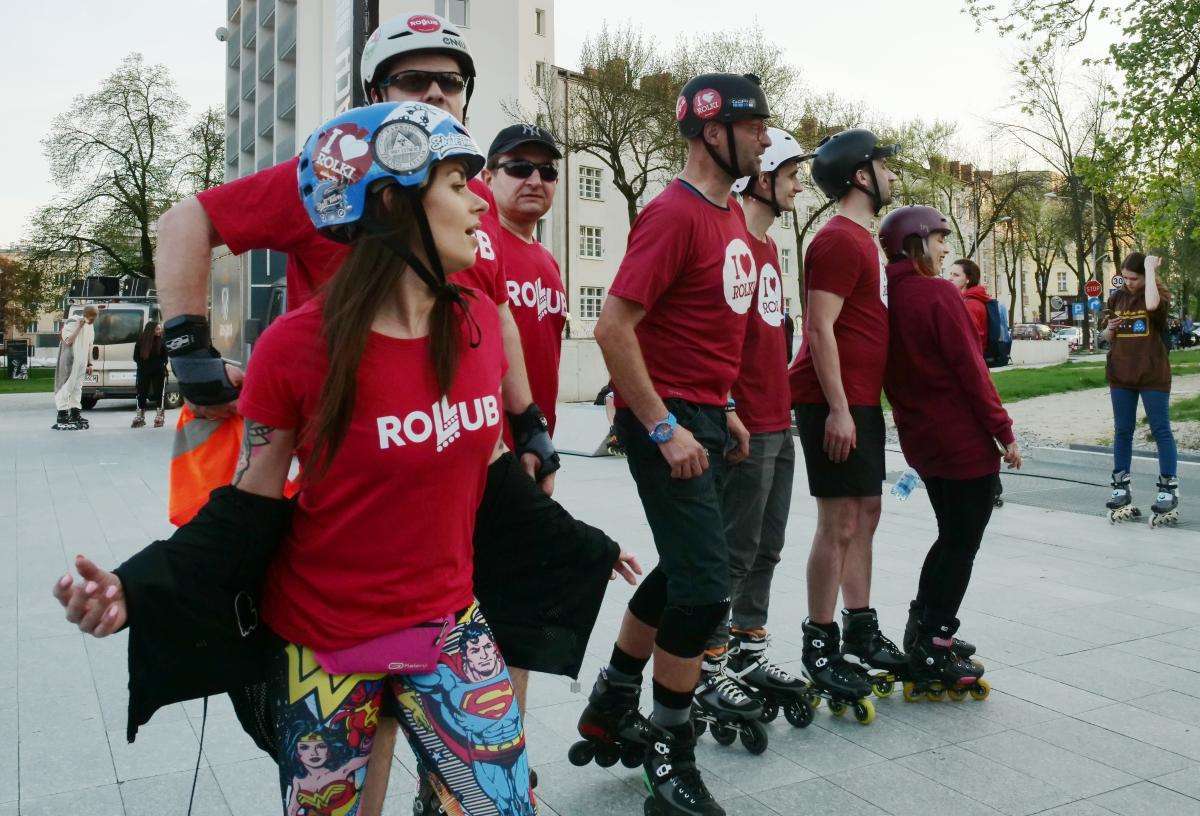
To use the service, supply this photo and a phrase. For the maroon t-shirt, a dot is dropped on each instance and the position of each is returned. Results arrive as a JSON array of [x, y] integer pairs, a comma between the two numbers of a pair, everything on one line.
[[689, 265], [264, 211], [761, 389], [844, 259], [538, 303]]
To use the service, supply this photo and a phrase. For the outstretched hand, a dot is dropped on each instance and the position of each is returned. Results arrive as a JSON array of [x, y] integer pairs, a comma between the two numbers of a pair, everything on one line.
[[627, 567], [97, 603]]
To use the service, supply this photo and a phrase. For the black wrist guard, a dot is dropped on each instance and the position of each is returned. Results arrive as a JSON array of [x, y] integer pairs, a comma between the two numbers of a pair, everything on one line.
[[531, 434], [197, 365]]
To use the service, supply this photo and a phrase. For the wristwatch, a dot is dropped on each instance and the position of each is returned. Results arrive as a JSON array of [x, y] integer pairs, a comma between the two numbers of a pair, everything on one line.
[[730, 406], [664, 429]]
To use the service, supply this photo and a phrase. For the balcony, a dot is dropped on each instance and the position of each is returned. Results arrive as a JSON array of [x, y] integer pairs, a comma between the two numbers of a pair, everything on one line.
[[234, 56], [232, 98], [285, 34], [233, 8], [231, 147], [266, 57], [285, 97], [249, 31], [285, 148], [248, 80], [266, 115], [266, 13], [247, 134]]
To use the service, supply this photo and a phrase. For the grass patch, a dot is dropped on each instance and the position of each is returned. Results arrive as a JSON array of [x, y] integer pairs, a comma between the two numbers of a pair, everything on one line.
[[1185, 410], [41, 381], [1026, 383]]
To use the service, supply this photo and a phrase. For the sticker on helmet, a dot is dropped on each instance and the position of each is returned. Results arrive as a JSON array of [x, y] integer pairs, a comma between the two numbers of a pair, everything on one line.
[[441, 143], [343, 154], [424, 23], [706, 103], [401, 147], [330, 201], [742, 104], [680, 108]]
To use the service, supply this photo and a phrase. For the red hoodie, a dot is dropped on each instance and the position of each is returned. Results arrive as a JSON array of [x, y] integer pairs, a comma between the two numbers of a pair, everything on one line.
[[976, 298], [945, 405]]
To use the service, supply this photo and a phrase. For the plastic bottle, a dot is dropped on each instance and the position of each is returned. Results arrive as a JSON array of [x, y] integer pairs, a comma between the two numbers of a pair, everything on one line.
[[904, 486]]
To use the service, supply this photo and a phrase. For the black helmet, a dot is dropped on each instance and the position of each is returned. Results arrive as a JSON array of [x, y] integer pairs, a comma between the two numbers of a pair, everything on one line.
[[838, 158], [724, 98]]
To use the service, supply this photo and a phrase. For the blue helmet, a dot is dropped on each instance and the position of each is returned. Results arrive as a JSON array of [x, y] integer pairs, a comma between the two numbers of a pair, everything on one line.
[[388, 143]]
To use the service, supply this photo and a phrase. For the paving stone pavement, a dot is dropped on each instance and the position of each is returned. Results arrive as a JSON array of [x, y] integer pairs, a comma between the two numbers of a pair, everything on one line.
[[1091, 635]]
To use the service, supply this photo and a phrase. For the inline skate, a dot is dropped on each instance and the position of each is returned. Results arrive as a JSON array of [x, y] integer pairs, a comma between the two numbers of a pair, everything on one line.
[[862, 640], [612, 727], [961, 648], [672, 778], [934, 671], [77, 418], [723, 704], [831, 677], [776, 688], [1120, 506], [1166, 509], [139, 419], [63, 422]]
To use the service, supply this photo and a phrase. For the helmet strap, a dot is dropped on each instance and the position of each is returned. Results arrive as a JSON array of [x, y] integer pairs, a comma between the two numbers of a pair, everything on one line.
[[876, 198], [773, 203], [730, 167]]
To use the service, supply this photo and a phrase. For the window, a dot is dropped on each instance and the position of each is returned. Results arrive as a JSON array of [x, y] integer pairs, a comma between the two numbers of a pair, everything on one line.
[[787, 305], [785, 220], [539, 21], [539, 231], [58, 324], [31, 328], [456, 11], [785, 260], [1062, 281], [539, 73], [591, 242], [591, 298], [115, 326], [589, 182]]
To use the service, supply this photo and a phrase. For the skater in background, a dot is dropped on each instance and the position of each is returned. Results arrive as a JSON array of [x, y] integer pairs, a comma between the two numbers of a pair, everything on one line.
[[1138, 367], [953, 431], [150, 356], [964, 274], [74, 363]]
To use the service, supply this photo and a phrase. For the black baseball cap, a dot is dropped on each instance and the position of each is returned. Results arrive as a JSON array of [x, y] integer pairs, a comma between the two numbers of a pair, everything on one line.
[[514, 136]]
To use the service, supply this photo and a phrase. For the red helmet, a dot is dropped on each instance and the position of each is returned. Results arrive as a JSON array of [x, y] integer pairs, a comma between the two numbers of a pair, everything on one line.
[[905, 221]]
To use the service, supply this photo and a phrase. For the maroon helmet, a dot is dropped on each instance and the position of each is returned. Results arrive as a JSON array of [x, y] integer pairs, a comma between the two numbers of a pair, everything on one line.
[[905, 221]]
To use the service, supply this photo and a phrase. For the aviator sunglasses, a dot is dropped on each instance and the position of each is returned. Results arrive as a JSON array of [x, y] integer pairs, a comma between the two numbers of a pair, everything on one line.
[[523, 169], [416, 82]]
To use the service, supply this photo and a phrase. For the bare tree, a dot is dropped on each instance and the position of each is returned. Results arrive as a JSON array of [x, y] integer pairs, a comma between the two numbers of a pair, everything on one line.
[[202, 164]]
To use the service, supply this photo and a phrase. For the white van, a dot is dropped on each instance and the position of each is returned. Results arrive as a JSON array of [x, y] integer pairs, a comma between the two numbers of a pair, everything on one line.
[[118, 326]]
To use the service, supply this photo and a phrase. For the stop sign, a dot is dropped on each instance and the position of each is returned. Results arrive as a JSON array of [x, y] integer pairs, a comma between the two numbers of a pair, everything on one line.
[[1093, 288]]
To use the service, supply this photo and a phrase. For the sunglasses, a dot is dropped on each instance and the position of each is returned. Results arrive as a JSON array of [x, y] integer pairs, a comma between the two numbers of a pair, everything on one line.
[[418, 82], [523, 169]]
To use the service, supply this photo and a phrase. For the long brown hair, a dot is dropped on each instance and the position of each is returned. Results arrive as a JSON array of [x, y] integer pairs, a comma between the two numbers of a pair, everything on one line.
[[368, 277], [914, 247], [147, 342]]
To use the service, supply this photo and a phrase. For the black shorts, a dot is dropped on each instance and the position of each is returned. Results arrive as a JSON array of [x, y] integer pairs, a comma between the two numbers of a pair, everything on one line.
[[862, 474]]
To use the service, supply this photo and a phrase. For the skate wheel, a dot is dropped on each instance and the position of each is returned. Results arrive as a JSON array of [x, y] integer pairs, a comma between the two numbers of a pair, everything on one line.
[[798, 714], [864, 711], [814, 702], [650, 807], [911, 695], [606, 756], [581, 753], [770, 711], [883, 688], [754, 737], [836, 708], [633, 756], [980, 690], [957, 694], [723, 734], [699, 726], [935, 695]]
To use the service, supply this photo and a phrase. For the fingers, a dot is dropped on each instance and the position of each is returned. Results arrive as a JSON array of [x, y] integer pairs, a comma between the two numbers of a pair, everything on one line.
[[548, 485], [236, 375], [62, 589], [529, 463], [88, 570], [631, 559], [81, 597], [627, 575], [109, 622], [93, 614]]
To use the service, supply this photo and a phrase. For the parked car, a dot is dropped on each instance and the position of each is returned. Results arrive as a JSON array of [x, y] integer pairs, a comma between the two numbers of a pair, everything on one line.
[[1072, 334], [1032, 331]]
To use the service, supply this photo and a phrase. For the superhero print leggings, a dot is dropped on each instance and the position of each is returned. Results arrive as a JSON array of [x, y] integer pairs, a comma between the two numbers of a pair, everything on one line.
[[461, 721]]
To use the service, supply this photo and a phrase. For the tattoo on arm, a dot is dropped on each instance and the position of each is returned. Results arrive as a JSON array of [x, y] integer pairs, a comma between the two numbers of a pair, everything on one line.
[[256, 437]]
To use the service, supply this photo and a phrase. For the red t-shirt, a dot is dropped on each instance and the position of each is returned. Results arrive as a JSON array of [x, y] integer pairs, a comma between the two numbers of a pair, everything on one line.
[[689, 264], [761, 389], [538, 302], [843, 259], [264, 211], [383, 540]]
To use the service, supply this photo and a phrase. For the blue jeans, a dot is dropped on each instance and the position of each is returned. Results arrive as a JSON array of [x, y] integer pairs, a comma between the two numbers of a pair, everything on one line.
[[1124, 403]]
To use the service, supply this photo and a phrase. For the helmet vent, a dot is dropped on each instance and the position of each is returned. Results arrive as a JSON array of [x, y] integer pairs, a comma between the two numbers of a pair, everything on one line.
[[401, 34]]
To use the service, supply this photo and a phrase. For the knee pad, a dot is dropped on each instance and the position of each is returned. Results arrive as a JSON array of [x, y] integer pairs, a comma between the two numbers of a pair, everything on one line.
[[650, 598], [685, 630]]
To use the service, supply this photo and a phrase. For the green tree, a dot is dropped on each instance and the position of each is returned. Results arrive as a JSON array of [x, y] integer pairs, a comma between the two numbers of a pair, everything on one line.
[[26, 290]]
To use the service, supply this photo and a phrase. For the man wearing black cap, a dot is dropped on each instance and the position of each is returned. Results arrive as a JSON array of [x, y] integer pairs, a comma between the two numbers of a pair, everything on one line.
[[522, 175]]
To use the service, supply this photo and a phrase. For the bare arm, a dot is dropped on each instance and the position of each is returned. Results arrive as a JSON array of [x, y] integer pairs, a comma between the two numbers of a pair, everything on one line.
[[1153, 297], [266, 456], [186, 238], [841, 435]]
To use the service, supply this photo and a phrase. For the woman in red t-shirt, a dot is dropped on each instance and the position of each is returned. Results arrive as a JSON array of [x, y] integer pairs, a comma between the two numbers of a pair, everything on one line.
[[964, 274], [950, 421]]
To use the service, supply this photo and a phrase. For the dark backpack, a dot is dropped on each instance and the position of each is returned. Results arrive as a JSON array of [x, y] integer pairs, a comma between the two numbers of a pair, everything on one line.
[[999, 335]]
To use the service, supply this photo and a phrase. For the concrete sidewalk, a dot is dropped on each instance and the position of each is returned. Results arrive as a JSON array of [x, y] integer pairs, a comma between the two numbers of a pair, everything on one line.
[[1091, 636]]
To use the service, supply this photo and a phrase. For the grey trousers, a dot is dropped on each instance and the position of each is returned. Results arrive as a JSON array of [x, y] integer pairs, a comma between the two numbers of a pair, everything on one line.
[[754, 503]]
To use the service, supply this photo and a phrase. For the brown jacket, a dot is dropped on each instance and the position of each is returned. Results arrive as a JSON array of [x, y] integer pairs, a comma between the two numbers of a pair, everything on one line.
[[1137, 356]]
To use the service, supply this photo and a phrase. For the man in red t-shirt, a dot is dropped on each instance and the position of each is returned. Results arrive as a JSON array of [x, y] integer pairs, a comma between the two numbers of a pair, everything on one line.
[[522, 175], [758, 491], [836, 382], [671, 333]]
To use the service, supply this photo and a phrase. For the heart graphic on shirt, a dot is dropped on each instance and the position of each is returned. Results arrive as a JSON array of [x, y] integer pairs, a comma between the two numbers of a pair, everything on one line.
[[352, 147], [770, 296], [739, 276]]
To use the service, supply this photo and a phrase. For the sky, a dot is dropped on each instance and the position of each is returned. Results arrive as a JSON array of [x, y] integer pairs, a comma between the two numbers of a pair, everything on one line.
[[902, 59]]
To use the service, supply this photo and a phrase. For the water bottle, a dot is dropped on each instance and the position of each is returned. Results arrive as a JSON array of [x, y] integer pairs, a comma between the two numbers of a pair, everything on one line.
[[903, 487]]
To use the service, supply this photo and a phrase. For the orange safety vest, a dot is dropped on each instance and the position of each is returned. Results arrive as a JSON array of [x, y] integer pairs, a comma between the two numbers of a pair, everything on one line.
[[205, 458]]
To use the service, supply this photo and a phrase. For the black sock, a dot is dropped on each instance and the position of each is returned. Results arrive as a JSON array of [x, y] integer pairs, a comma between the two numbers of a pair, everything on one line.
[[626, 664], [849, 611], [671, 708]]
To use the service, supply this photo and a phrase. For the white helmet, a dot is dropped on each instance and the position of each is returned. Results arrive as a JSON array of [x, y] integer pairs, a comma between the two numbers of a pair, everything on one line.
[[783, 149], [410, 33]]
